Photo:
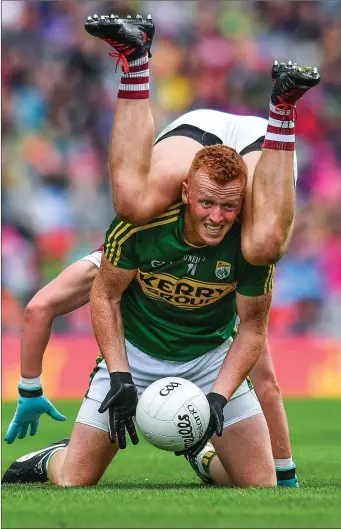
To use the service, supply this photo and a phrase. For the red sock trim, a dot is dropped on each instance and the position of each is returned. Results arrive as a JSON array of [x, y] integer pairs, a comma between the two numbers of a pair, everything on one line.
[[135, 83], [280, 134]]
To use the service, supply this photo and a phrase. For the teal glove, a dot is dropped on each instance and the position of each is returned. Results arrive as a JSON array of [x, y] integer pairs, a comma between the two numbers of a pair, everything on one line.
[[287, 477], [32, 403]]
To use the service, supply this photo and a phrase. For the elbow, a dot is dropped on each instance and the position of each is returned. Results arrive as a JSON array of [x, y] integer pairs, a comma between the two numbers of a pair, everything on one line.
[[268, 390], [101, 296], [39, 310]]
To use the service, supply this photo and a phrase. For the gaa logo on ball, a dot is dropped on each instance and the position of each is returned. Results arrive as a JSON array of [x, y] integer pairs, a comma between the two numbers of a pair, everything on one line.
[[173, 414]]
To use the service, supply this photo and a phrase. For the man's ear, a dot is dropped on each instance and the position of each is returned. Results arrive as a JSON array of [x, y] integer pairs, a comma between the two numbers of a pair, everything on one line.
[[184, 192]]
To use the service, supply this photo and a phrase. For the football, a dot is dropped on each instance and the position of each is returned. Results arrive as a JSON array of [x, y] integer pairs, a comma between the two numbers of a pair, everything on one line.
[[173, 414]]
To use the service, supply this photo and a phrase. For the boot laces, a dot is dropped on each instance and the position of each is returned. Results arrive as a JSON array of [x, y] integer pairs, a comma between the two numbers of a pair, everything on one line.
[[122, 52], [285, 107]]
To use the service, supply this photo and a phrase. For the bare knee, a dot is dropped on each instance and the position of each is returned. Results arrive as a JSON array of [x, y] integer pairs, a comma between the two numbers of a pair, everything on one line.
[[60, 473], [132, 207], [76, 481], [135, 211], [130, 213], [265, 477], [245, 452], [84, 461], [264, 251]]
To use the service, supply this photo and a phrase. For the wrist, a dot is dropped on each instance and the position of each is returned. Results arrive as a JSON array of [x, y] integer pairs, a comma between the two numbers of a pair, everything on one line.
[[30, 383], [217, 398], [220, 388], [121, 376]]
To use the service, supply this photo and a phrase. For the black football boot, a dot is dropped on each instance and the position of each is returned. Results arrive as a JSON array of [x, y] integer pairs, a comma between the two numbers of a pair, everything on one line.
[[131, 38], [291, 82], [31, 468]]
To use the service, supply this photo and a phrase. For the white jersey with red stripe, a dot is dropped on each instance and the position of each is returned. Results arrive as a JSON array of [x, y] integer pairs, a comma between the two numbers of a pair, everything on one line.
[[94, 257], [237, 132]]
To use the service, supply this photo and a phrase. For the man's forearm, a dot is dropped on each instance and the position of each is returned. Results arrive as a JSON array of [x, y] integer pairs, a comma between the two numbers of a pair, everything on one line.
[[108, 327], [278, 426], [35, 337], [243, 354]]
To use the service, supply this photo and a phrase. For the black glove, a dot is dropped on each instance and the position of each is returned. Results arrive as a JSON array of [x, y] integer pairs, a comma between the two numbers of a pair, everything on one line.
[[216, 425], [121, 402]]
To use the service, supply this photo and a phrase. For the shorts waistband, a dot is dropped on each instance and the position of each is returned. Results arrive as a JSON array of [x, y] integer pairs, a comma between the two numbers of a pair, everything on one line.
[[204, 138]]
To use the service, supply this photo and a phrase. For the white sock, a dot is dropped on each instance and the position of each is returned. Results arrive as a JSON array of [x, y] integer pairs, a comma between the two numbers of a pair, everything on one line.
[[284, 464]]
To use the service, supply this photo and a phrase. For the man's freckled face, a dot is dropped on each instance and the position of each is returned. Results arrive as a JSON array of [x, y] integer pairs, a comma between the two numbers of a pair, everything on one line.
[[212, 208]]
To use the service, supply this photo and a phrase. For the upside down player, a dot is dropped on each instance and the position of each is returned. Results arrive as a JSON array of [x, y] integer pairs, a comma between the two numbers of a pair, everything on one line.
[[146, 180], [243, 133]]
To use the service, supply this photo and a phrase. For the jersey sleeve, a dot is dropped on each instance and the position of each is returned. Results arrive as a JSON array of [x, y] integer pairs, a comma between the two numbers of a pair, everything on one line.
[[120, 245], [256, 280]]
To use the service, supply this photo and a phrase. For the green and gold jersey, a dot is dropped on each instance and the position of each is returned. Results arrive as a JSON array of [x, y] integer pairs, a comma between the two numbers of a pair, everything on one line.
[[182, 302]]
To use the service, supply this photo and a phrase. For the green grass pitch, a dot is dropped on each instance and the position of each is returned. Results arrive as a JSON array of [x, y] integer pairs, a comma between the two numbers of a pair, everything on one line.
[[146, 487]]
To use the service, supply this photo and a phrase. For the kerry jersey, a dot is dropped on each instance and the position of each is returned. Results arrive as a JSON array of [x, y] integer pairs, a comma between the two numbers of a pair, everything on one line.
[[182, 302]]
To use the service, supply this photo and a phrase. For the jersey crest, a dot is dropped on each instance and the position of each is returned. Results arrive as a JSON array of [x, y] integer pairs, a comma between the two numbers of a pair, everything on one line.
[[222, 269]]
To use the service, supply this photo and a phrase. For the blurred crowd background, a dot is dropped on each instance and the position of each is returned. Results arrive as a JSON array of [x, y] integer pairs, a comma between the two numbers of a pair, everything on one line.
[[58, 100]]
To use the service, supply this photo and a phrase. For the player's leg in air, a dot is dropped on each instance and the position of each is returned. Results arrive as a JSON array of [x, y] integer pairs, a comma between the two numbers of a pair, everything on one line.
[[145, 181], [66, 293]]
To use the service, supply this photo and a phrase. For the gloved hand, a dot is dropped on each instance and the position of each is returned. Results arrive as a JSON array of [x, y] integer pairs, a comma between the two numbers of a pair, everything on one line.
[[216, 425], [121, 401], [32, 403], [287, 477]]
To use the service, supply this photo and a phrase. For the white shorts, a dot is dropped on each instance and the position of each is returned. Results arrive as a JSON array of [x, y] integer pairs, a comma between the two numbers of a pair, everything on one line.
[[234, 131], [145, 369]]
